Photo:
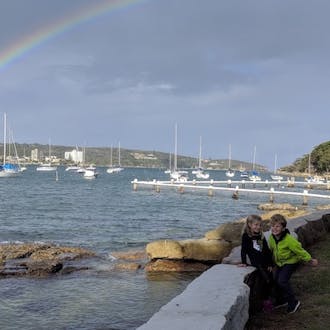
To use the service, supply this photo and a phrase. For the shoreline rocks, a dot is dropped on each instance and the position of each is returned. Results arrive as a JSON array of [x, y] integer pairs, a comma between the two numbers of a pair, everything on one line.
[[36, 259]]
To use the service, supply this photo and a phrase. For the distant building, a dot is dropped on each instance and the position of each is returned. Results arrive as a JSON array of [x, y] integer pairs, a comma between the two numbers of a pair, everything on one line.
[[34, 155], [74, 156]]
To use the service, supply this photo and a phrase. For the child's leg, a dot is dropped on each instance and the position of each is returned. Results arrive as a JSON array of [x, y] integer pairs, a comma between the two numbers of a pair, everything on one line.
[[282, 278]]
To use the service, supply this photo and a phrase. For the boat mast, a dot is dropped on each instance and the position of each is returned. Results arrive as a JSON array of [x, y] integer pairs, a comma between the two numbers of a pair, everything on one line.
[[200, 153], [4, 137], [229, 157], [175, 146]]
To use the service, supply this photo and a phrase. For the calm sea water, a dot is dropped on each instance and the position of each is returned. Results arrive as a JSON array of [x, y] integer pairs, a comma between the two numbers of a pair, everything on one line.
[[104, 215]]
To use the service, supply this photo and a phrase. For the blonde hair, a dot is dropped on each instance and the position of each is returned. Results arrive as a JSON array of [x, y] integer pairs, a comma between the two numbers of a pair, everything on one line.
[[252, 218], [278, 219]]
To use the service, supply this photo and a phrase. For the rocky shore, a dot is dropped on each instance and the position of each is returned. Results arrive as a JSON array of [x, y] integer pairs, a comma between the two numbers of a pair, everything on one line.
[[36, 259]]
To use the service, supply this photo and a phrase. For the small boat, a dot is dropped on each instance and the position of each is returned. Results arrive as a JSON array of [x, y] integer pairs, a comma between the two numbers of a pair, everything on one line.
[[47, 167], [230, 173], [7, 169], [275, 176], [199, 172], [90, 174], [115, 169], [244, 174], [254, 176]]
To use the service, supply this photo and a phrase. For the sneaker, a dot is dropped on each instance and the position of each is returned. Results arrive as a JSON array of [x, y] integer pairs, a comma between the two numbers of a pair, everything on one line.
[[294, 308], [281, 304]]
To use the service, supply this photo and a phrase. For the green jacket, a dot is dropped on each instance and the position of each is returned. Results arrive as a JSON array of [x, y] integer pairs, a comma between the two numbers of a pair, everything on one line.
[[287, 250]]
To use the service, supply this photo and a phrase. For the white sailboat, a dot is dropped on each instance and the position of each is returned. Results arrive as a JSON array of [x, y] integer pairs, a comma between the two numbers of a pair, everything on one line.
[[47, 167], [115, 169], [175, 174], [7, 169], [254, 175], [275, 176], [230, 173], [200, 174]]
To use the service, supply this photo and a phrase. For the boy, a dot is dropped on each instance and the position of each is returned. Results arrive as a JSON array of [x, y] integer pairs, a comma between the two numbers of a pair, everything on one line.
[[287, 253]]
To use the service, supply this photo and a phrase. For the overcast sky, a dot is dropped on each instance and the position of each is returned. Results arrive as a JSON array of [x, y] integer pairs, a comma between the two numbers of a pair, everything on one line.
[[241, 72]]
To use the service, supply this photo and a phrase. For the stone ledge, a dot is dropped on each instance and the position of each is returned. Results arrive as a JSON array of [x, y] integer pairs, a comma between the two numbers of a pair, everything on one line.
[[218, 299]]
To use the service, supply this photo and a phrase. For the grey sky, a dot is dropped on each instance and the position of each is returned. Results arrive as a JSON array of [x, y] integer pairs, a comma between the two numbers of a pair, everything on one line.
[[245, 73]]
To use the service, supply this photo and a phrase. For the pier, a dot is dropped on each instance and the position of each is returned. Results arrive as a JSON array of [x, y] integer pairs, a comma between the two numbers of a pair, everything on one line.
[[237, 187]]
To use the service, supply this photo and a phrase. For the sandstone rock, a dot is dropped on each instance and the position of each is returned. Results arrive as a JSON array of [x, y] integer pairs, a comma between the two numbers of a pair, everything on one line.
[[205, 250], [127, 266], [63, 253], [163, 265], [165, 249], [276, 206], [230, 232], [37, 259]]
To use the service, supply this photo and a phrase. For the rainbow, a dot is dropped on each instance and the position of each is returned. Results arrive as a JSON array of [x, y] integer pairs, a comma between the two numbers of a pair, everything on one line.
[[25, 44]]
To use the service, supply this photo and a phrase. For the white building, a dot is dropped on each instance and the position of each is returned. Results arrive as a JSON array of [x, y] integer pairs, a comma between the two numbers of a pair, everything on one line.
[[74, 156]]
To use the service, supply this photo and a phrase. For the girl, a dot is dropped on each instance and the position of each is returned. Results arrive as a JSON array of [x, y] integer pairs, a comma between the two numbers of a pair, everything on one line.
[[287, 253], [254, 245]]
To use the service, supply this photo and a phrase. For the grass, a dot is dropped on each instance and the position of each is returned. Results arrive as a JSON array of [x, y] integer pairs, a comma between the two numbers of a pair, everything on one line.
[[312, 287]]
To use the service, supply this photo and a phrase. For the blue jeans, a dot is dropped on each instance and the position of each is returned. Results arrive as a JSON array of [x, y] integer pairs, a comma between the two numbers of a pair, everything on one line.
[[282, 279]]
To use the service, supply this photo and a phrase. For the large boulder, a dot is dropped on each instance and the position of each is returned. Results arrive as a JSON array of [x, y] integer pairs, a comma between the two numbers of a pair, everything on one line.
[[170, 249], [230, 232], [191, 249], [205, 250]]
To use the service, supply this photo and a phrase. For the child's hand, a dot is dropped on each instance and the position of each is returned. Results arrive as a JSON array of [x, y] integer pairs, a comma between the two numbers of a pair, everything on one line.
[[314, 262], [270, 268], [242, 265]]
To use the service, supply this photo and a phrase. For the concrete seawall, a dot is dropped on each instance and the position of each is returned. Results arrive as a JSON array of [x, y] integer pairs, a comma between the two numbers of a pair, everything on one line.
[[219, 298]]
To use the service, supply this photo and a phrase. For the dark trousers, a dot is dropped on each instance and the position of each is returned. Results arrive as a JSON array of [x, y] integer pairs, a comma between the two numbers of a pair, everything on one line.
[[282, 279]]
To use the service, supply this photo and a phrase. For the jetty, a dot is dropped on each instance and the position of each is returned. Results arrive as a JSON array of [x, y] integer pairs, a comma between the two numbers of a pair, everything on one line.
[[237, 188]]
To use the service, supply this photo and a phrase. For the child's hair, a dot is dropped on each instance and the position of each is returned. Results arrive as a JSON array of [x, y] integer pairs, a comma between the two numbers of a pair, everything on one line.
[[249, 221], [278, 218]]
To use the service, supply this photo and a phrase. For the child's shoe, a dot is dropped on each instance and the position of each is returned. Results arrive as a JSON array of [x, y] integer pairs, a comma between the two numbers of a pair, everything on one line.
[[292, 309]]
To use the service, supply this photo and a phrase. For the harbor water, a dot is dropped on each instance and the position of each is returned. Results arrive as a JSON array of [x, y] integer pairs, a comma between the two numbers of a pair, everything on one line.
[[104, 215]]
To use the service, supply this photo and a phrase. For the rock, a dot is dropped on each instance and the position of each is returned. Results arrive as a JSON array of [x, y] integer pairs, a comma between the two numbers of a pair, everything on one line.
[[230, 232], [127, 266], [276, 206], [205, 250], [165, 249], [37, 259], [62, 253], [163, 265], [43, 268], [311, 232]]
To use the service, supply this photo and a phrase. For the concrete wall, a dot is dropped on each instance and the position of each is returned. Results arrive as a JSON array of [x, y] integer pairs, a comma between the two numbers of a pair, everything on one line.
[[218, 299]]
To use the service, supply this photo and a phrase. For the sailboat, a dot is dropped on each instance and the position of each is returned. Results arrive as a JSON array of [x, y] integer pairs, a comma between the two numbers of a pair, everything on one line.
[[175, 174], [7, 169], [254, 175], [115, 169], [229, 173], [47, 167], [200, 174], [168, 171], [275, 176]]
